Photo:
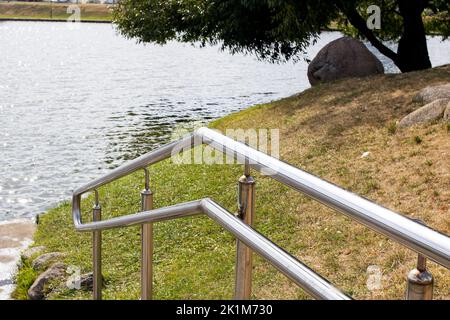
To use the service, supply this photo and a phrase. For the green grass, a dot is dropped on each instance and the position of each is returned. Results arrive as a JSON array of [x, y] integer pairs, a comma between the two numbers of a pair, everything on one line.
[[323, 131], [24, 280], [418, 140]]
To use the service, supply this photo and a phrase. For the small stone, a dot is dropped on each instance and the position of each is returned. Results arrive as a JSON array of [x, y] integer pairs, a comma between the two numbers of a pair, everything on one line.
[[43, 260], [30, 252], [39, 289], [427, 114], [433, 93], [87, 281]]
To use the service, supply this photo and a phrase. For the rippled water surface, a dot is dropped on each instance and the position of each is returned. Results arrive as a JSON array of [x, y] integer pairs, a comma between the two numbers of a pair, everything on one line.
[[75, 103]]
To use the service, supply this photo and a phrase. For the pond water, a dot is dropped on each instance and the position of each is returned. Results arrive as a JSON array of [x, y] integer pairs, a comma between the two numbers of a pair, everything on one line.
[[75, 103]]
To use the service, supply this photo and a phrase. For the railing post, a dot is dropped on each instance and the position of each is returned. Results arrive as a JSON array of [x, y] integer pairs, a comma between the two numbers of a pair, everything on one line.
[[420, 282], [97, 252], [244, 263], [147, 243]]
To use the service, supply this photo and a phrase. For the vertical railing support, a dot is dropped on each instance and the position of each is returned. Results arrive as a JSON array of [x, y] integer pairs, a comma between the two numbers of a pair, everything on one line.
[[244, 263], [147, 243], [97, 252], [420, 282]]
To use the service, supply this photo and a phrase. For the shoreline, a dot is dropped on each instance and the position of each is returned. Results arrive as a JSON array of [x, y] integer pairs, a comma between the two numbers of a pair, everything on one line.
[[55, 12], [15, 237], [53, 20]]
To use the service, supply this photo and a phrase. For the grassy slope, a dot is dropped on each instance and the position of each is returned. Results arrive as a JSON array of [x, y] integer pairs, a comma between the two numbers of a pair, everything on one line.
[[323, 130], [55, 11]]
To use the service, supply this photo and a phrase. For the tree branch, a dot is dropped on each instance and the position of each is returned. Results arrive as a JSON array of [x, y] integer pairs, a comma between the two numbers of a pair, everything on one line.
[[396, 12], [359, 23]]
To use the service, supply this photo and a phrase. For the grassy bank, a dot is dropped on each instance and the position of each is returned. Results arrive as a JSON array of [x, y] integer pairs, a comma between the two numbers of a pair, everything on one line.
[[324, 130], [53, 11]]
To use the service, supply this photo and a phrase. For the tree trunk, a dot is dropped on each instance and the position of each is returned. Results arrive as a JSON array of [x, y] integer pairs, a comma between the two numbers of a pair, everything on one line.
[[412, 53]]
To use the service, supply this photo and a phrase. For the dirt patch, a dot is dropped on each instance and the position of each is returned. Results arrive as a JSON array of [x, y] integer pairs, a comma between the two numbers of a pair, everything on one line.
[[12, 234], [14, 237], [6, 259]]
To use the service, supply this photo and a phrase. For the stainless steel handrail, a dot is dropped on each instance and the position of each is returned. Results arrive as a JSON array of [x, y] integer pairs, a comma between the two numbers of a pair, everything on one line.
[[291, 267], [411, 234]]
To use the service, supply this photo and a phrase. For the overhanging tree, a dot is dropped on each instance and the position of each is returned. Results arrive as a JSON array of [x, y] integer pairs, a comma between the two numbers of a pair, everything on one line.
[[279, 30]]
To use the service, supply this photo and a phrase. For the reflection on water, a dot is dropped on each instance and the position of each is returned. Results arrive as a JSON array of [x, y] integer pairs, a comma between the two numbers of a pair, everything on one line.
[[75, 103]]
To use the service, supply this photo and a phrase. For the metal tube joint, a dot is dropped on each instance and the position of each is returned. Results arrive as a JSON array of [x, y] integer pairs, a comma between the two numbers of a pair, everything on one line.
[[246, 196], [420, 282]]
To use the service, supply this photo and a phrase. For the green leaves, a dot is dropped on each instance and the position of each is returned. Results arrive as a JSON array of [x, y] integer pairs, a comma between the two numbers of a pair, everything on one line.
[[275, 30]]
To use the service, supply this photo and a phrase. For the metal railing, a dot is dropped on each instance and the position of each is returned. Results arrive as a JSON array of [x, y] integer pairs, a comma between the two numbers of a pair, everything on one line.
[[426, 242]]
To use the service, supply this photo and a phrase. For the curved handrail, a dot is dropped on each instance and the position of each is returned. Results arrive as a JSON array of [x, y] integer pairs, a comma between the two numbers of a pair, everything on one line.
[[411, 234], [294, 269]]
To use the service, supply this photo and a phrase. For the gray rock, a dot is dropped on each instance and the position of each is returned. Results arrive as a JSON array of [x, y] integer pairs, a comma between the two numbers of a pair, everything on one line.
[[39, 288], [30, 252], [84, 281], [432, 93], [43, 260], [447, 113], [87, 281], [342, 58], [427, 114]]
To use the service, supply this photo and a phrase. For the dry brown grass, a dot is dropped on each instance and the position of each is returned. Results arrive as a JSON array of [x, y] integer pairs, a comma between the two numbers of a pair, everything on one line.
[[325, 131]]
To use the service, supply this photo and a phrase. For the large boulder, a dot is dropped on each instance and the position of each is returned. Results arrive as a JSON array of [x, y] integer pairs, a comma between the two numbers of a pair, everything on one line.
[[342, 58], [43, 260], [429, 113], [39, 288], [432, 93]]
